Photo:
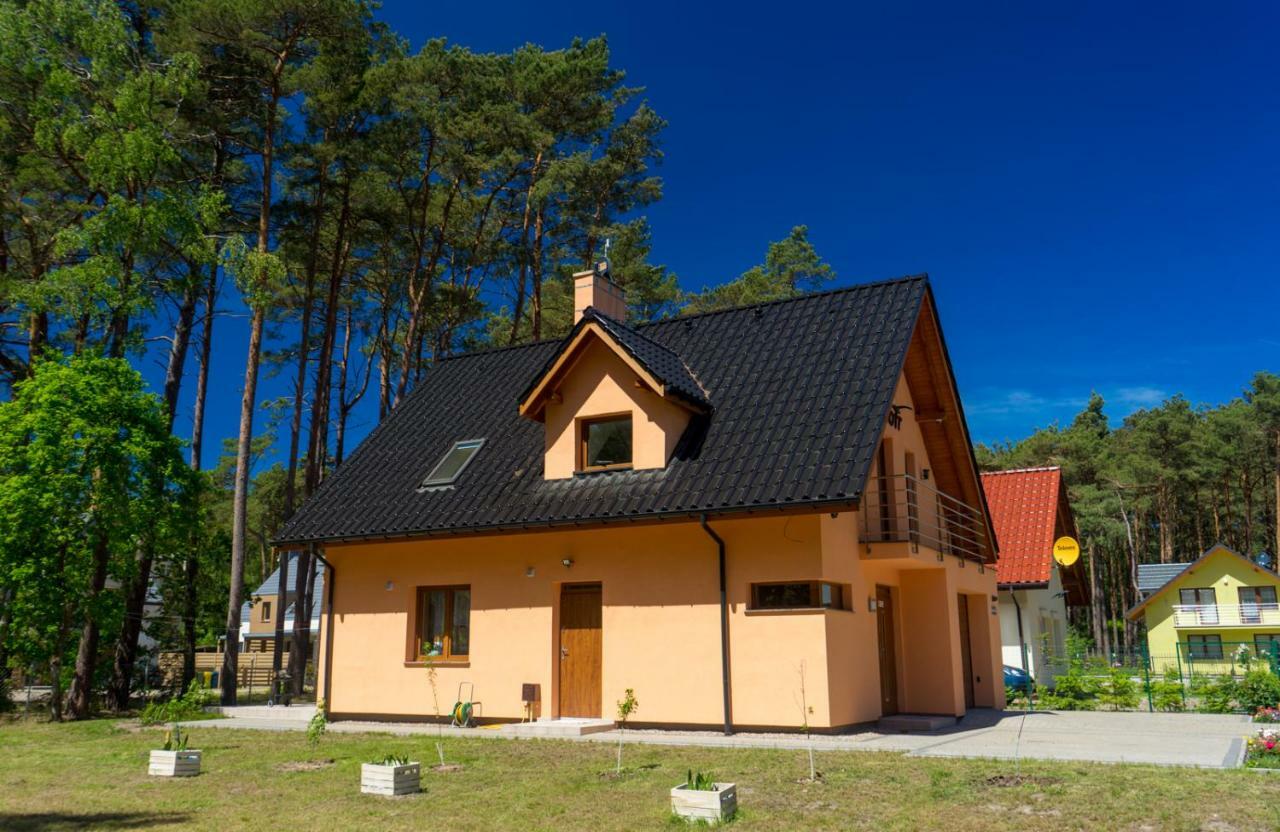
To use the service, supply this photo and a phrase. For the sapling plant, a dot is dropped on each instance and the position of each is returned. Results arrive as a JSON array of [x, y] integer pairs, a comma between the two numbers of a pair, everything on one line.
[[175, 739], [806, 711], [434, 681], [700, 781], [318, 725], [627, 705]]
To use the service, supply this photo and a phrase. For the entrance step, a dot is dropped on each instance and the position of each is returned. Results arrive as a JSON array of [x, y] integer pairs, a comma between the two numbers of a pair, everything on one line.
[[558, 727], [914, 723]]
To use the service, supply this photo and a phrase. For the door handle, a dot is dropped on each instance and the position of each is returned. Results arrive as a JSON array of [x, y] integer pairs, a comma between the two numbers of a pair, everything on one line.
[[564, 652]]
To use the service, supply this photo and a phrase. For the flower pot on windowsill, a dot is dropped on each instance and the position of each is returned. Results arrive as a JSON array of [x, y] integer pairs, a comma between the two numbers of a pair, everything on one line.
[[174, 763], [390, 780], [714, 806]]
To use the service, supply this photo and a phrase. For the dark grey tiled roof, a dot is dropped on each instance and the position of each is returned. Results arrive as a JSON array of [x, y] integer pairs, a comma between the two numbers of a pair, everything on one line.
[[665, 365], [800, 389], [1152, 576]]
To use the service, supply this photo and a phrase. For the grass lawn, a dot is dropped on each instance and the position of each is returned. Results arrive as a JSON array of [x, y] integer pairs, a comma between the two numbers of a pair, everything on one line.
[[93, 775]]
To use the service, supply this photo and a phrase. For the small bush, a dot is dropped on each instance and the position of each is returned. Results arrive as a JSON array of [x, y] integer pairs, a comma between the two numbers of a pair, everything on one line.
[[1119, 691], [391, 760], [189, 705], [1072, 691], [1259, 689], [1169, 694], [1218, 696]]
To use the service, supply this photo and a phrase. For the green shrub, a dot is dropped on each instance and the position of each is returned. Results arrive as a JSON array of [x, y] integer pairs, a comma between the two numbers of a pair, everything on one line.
[[1259, 689], [1217, 697], [318, 724], [1119, 691], [1168, 694], [391, 760], [1072, 691], [189, 705]]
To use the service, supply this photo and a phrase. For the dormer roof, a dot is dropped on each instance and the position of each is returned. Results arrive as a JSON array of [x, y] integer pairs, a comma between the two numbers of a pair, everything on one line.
[[662, 370]]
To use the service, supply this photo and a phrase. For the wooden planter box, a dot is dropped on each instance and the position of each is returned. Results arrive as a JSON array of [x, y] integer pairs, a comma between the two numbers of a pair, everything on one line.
[[709, 806], [392, 780], [174, 763]]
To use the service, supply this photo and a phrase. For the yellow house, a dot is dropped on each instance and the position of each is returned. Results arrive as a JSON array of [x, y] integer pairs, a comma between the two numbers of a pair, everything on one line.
[[729, 513], [1209, 615]]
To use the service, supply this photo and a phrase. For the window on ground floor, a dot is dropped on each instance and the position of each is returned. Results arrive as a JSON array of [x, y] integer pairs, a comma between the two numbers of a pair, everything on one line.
[[1204, 647], [443, 623], [797, 595], [1267, 645]]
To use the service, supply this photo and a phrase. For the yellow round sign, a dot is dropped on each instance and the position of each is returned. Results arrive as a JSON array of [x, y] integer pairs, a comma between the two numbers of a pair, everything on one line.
[[1066, 551]]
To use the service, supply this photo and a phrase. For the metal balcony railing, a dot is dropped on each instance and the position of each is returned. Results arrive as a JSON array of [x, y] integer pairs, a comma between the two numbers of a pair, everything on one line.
[[904, 509], [1226, 615]]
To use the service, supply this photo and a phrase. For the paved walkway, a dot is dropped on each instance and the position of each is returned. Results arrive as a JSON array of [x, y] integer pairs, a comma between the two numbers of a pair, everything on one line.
[[1203, 740]]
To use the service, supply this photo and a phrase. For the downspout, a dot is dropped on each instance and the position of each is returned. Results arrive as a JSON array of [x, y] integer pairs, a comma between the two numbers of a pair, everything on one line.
[[330, 580], [1022, 643], [724, 626]]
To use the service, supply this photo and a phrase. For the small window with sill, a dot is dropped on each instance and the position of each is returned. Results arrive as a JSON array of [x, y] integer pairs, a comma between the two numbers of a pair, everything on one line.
[[442, 625], [266, 610], [605, 443], [799, 595]]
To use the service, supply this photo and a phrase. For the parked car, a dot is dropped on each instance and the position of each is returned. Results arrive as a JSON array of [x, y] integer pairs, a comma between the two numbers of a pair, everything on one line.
[[1015, 678]]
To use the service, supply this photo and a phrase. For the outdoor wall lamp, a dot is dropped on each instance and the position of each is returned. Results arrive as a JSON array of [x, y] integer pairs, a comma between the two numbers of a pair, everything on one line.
[[567, 562], [391, 585], [529, 572], [871, 605]]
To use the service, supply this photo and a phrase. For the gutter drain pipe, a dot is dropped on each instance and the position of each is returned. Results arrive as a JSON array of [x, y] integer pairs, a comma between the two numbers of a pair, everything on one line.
[[724, 626]]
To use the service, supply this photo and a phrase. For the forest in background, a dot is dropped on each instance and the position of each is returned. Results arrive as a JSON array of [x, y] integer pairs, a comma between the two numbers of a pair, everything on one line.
[[1160, 487], [371, 208]]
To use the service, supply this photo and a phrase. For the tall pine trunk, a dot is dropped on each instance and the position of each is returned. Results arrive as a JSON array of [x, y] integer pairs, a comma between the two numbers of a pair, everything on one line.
[[191, 568], [244, 443]]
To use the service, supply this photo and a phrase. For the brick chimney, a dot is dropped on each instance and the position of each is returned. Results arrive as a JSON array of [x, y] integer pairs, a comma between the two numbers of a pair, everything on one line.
[[594, 288]]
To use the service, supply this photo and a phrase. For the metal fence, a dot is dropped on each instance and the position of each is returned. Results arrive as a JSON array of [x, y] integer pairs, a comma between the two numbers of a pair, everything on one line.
[[1190, 678]]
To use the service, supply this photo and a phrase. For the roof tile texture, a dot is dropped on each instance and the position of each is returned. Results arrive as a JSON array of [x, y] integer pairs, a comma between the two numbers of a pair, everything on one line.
[[1024, 511], [800, 390]]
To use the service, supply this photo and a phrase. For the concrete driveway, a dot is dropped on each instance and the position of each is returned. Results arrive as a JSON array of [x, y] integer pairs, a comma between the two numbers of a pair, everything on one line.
[[1206, 740]]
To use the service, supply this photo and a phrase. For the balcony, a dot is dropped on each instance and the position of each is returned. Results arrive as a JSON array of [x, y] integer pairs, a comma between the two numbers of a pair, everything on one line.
[[1215, 616], [901, 515]]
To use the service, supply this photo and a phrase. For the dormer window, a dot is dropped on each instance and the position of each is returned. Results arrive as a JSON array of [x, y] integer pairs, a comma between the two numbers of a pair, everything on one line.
[[605, 443], [454, 462]]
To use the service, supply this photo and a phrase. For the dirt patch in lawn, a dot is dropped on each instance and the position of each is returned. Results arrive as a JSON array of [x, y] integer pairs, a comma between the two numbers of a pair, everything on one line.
[[304, 765], [446, 768], [1002, 780]]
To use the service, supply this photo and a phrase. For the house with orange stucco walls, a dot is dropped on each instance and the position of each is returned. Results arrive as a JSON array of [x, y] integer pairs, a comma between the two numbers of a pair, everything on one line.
[[716, 511]]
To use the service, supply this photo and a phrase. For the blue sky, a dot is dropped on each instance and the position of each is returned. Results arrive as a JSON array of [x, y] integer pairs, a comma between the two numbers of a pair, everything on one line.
[[1092, 187]]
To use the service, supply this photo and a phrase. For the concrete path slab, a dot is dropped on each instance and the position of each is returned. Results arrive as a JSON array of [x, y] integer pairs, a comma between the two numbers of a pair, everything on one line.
[[1202, 740]]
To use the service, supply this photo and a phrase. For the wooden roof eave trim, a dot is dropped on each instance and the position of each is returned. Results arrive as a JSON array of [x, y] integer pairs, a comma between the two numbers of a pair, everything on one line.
[[952, 425], [534, 405]]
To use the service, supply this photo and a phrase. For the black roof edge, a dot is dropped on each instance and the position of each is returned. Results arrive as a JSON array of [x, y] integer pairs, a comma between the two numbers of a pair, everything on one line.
[[852, 502]]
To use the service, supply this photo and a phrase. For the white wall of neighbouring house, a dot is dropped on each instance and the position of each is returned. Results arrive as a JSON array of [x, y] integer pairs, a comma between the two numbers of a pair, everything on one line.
[[1044, 627]]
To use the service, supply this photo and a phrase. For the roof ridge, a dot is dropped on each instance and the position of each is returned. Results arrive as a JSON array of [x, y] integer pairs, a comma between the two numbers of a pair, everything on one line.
[[924, 276], [906, 278], [1033, 470]]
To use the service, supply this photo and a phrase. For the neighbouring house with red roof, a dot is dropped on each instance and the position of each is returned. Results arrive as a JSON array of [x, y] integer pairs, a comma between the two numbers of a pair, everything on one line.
[[1030, 510]]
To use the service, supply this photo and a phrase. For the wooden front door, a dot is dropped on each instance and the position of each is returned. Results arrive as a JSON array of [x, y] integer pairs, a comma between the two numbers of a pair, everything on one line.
[[580, 650], [888, 654], [966, 655]]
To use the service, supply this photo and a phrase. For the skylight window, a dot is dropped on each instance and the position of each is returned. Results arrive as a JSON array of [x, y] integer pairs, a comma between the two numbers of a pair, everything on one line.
[[454, 462]]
